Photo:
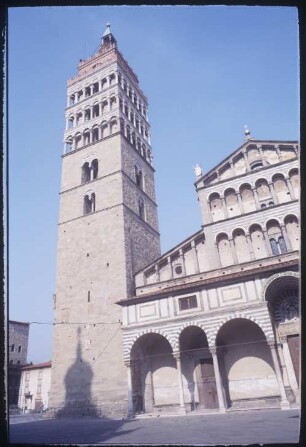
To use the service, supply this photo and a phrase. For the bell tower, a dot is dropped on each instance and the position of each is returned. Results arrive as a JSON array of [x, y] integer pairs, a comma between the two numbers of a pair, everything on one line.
[[107, 230]]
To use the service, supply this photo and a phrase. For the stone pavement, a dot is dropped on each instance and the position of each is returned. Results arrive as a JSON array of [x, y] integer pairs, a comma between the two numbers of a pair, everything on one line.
[[274, 426]]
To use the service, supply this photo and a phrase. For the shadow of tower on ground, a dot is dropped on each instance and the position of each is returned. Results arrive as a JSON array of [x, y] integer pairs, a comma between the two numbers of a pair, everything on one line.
[[78, 379]]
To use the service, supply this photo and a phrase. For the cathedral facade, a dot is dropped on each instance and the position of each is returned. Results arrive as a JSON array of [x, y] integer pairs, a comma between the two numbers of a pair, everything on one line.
[[212, 324]]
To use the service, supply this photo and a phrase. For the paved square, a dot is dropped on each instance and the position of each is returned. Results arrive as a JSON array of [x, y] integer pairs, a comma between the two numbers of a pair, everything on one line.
[[272, 426]]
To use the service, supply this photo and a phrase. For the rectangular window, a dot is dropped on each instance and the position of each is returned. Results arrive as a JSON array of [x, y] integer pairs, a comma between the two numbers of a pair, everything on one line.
[[19, 348], [189, 302]]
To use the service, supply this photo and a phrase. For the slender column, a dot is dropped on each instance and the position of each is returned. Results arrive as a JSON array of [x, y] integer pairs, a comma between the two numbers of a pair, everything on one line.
[[240, 202], [100, 108], [290, 189], [130, 392], [222, 407], [183, 261], [278, 152], [182, 408], [91, 89], [208, 215], [250, 245], [289, 366], [218, 255], [232, 168], [256, 198], [285, 236], [195, 257], [234, 254], [267, 241], [170, 263], [73, 143], [247, 164], [284, 402], [264, 161], [224, 207], [157, 273], [273, 193]]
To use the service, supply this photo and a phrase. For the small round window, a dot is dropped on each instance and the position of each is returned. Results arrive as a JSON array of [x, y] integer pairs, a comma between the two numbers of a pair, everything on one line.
[[178, 269]]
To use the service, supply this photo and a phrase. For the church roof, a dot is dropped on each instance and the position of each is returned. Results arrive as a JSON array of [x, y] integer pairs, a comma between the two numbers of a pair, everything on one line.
[[238, 153]]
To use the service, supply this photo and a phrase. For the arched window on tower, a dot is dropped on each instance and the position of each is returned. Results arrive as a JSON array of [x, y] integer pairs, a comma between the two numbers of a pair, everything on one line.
[[71, 100], [95, 87], [87, 92], [138, 177], [128, 133], [95, 110], [95, 134], [120, 104], [112, 79], [68, 146], [133, 139], [79, 118], [94, 167], [86, 136], [87, 115], [70, 122], [78, 141], [141, 208], [112, 102], [89, 205], [85, 173]]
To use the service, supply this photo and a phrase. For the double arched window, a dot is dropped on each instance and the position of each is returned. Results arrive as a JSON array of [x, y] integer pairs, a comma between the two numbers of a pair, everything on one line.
[[277, 241], [89, 204], [90, 171]]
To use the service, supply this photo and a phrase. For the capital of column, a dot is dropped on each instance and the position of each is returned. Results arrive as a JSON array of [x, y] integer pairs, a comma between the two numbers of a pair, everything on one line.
[[271, 344], [177, 355], [213, 350]]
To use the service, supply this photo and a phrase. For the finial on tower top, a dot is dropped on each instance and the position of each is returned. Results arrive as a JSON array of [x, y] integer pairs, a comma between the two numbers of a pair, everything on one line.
[[107, 30], [247, 133]]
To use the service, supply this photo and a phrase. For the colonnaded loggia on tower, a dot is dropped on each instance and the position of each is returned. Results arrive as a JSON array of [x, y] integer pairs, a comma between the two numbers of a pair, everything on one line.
[[210, 326]]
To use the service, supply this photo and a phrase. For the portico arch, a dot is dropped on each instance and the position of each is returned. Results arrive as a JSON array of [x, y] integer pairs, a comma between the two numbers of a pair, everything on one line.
[[154, 374], [198, 375], [282, 294], [246, 364]]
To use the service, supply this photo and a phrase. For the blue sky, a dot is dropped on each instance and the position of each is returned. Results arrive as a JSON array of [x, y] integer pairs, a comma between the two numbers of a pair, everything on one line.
[[206, 71]]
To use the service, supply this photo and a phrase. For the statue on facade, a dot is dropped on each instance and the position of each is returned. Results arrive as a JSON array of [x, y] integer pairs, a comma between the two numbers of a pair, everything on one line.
[[198, 170]]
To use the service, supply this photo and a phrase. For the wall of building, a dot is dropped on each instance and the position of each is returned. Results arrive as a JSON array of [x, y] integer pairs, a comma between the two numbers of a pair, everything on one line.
[[35, 382], [18, 342]]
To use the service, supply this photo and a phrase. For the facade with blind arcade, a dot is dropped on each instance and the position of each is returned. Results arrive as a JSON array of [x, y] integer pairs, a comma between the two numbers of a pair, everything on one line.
[[211, 325], [214, 322]]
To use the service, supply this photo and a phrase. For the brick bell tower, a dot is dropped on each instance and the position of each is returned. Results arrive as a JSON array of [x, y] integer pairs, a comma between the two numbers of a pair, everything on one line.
[[107, 231]]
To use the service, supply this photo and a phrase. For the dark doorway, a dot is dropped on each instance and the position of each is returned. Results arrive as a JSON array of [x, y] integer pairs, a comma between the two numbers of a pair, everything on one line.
[[207, 384], [294, 347]]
